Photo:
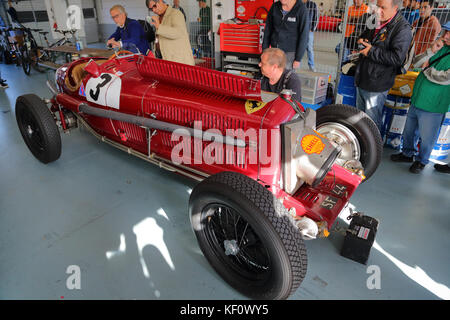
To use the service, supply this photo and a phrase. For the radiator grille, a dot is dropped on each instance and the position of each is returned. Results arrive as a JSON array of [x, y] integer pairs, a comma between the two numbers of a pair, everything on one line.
[[186, 116]]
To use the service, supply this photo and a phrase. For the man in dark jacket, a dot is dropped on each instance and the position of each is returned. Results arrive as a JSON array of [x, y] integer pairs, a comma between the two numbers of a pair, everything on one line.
[[129, 34], [384, 53], [287, 28]]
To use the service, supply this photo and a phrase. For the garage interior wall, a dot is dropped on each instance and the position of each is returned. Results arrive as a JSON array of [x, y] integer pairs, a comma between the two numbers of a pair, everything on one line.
[[136, 9], [33, 14]]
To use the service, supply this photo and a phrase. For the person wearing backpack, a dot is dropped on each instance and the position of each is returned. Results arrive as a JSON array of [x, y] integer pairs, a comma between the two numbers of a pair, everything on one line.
[[276, 76], [383, 53], [429, 103]]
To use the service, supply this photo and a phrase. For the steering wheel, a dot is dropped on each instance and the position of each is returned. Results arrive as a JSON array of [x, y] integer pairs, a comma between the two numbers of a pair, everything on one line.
[[120, 53]]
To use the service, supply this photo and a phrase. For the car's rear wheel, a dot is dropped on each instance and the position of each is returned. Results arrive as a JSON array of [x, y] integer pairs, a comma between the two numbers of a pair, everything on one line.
[[38, 128], [355, 132], [248, 236]]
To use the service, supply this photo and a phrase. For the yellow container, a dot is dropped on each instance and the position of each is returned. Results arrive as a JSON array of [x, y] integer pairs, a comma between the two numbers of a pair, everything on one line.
[[404, 84]]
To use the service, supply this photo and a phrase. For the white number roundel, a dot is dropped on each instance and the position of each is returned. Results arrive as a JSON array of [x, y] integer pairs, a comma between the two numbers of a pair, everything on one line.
[[104, 90]]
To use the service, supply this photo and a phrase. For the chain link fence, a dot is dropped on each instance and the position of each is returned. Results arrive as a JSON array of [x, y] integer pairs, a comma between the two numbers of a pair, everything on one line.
[[340, 24], [199, 23]]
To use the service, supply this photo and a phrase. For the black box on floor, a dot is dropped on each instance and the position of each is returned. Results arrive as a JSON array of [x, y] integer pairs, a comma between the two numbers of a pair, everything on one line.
[[359, 238]]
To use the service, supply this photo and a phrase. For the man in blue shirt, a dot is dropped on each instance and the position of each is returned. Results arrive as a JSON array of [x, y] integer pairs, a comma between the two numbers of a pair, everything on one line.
[[410, 11], [129, 34]]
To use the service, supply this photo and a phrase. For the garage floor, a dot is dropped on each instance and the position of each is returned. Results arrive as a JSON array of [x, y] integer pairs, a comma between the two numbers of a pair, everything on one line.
[[124, 223]]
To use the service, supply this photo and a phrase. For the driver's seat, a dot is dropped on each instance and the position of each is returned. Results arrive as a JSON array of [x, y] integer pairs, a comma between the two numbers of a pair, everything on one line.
[[76, 74]]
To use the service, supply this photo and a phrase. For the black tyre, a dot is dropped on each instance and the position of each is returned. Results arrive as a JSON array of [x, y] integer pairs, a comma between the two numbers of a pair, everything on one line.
[[248, 236], [26, 62], [355, 132], [38, 128]]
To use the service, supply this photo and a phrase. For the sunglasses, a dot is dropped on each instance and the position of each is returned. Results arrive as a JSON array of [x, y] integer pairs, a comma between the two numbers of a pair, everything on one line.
[[153, 6]]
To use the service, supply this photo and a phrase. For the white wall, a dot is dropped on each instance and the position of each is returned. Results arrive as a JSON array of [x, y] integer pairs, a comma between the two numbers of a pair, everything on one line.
[[136, 9], [91, 25]]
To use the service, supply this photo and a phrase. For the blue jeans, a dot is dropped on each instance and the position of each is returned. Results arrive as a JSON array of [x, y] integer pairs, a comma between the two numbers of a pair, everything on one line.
[[310, 50], [423, 124], [372, 104], [345, 53]]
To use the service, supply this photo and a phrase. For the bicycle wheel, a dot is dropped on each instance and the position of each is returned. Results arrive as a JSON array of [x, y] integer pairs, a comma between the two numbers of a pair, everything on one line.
[[26, 63]]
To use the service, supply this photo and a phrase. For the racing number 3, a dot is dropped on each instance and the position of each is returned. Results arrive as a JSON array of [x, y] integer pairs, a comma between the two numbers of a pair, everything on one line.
[[106, 79]]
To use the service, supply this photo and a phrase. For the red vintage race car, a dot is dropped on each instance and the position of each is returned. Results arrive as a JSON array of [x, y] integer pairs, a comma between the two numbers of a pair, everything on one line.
[[327, 23], [271, 174]]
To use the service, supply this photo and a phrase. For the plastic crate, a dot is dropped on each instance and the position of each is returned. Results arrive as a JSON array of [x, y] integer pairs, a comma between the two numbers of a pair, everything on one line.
[[243, 38], [314, 86], [314, 97], [313, 80]]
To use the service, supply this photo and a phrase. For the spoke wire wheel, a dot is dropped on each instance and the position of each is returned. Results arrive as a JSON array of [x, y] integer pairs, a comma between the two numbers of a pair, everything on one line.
[[247, 236], [343, 137], [235, 242], [38, 128]]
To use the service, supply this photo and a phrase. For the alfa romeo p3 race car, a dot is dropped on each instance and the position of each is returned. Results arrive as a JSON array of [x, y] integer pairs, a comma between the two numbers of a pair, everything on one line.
[[271, 174]]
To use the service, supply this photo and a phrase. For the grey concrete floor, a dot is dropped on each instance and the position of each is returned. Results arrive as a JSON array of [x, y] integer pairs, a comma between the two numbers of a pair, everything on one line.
[[124, 223]]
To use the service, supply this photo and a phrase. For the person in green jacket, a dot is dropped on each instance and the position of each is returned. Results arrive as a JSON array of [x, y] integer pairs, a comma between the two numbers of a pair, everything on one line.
[[429, 103]]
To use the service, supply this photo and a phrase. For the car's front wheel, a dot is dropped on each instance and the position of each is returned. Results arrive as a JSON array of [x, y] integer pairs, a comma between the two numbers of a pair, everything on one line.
[[38, 128], [248, 236], [355, 132]]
